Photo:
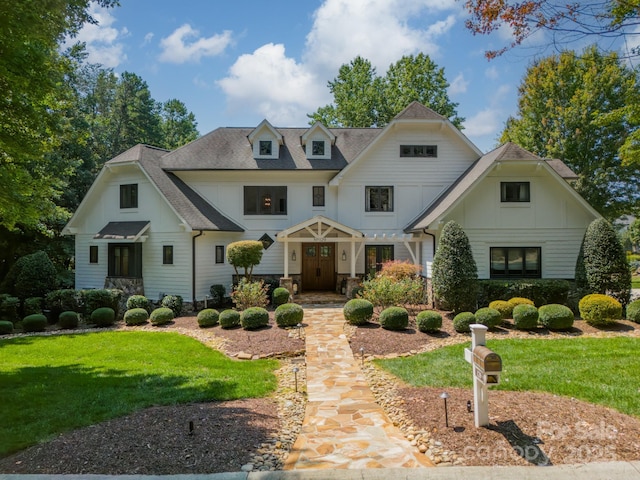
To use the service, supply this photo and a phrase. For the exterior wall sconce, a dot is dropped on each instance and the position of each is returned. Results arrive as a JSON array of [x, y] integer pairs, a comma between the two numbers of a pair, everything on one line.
[[344, 255], [293, 256]]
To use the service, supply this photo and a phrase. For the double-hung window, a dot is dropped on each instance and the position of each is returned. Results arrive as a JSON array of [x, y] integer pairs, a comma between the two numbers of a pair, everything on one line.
[[379, 199], [129, 196]]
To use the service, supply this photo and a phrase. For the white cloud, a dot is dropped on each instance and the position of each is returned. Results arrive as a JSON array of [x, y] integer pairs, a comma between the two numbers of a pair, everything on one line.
[[273, 84], [459, 85], [491, 73], [485, 122], [176, 49], [147, 38], [102, 39]]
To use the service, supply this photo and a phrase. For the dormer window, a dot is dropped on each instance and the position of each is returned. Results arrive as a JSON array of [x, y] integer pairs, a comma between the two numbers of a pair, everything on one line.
[[317, 148], [317, 142], [266, 147]]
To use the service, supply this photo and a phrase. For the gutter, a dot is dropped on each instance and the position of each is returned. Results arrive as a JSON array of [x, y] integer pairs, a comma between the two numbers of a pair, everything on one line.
[[193, 266]]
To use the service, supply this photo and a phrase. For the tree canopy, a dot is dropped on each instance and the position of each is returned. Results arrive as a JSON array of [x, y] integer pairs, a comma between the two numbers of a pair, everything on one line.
[[572, 107], [565, 21], [362, 98]]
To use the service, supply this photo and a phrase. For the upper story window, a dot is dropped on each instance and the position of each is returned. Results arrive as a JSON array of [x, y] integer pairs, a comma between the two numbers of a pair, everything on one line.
[[93, 254], [379, 199], [129, 196], [266, 200], [418, 150], [266, 147], [167, 254], [317, 148], [518, 192], [515, 262], [318, 196]]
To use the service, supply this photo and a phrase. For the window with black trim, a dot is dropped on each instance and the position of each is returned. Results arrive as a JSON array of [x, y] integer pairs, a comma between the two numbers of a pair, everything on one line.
[[129, 196], [379, 199], [516, 262], [318, 196], [219, 253], [265, 147], [265, 200], [317, 147], [93, 254], [418, 150], [125, 260], [515, 192], [375, 256], [167, 254]]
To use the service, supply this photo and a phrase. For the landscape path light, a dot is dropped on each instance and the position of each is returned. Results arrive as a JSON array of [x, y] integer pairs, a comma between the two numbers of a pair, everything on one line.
[[444, 396]]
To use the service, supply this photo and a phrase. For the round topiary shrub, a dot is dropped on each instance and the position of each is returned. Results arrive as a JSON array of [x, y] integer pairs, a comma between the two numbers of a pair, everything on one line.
[[633, 311], [161, 316], [254, 317], [34, 323], [505, 308], [488, 317], [429, 321], [68, 320], [136, 316], [280, 296], [394, 318], [174, 302], [208, 318], [289, 315], [103, 317], [520, 301], [6, 327], [462, 321], [525, 317], [600, 310], [358, 311], [138, 301], [555, 317], [229, 318]]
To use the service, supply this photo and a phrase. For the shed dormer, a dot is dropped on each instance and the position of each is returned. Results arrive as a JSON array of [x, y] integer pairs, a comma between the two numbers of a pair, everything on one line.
[[265, 141], [317, 142]]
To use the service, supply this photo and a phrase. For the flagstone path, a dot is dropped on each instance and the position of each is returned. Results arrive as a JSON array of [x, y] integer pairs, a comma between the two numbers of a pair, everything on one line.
[[344, 427]]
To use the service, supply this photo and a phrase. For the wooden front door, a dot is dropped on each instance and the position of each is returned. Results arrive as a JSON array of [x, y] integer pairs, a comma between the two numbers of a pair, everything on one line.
[[318, 266]]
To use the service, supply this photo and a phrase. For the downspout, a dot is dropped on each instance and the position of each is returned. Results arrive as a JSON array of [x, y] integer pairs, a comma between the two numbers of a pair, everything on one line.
[[193, 267]]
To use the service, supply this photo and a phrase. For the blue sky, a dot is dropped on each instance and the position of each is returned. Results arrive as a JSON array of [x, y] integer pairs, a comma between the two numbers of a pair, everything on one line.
[[235, 63]]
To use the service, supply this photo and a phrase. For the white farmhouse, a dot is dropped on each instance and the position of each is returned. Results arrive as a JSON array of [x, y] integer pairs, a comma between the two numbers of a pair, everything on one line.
[[329, 204]]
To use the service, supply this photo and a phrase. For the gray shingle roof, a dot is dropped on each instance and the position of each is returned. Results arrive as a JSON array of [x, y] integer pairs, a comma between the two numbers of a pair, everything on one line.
[[417, 111]]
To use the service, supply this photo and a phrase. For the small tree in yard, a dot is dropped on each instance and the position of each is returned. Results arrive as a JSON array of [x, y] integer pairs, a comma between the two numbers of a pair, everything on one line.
[[604, 261], [245, 254], [455, 274]]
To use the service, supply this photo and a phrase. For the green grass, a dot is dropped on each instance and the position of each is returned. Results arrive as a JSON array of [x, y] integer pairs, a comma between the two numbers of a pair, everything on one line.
[[604, 371], [53, 384], [635, 282]]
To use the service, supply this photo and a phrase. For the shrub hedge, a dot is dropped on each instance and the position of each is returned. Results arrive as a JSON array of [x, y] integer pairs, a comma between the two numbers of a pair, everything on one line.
[[103, 316], [462, 321], [505, 308], [358, 311], [488, 317], [555, 317], [68, 320], [138, 301], [217, 292], [541, 291], [65, 300], [600, 310], [173, 302], [9, 307], [394, 318], [136, 316], [32, 305], [229, 318], [633, 311], [208, 318], [161, 316], [429, 321], [280, 296], [254, 317], [6, 327], [525, 317], [289, 315], [34, 323], [93, 299]]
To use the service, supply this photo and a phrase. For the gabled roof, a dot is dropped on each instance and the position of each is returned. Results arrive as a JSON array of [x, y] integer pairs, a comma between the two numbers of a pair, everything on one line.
[[417, 111], [265, 124], [478, 170], [228, 149], [319, 227], [318, 126]]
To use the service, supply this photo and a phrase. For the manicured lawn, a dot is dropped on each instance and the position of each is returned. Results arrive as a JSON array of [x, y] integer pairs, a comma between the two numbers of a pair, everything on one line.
[[605, 371], [635, 282], [56, 383]]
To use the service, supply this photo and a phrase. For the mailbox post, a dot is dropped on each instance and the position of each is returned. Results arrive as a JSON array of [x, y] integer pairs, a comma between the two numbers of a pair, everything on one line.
[[487, 366]]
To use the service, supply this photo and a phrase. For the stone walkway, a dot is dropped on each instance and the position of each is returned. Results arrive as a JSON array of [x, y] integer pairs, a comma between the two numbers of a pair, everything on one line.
[[344, 427]]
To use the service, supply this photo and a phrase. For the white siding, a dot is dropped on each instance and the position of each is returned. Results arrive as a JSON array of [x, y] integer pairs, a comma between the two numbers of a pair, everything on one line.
[[89, 275]]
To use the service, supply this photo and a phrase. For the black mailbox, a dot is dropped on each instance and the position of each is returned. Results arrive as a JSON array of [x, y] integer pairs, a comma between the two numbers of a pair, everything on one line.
[[487, 360]]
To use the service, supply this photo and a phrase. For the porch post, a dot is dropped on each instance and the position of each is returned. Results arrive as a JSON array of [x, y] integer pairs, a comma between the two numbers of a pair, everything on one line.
[[353, 258], [286, 258]]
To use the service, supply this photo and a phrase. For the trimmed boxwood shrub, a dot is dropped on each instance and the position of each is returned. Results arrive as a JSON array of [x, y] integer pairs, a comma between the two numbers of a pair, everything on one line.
[[280, 296], [429, 321], [488, 317], [32, 305], [525, 317], [65, 300], [6, 327], [289, 315], [136, 316], [138, 301], [103, 316], [68, 320], [555, 317], [462, 321], [505, 308], [34, 323], [93, 299], [633, 311], [254, 317], [358, 311], [229, 318], [208, 318], [174, 302], [394, 318], [161, 316], [542, 291], [600, 310], [520, 301]]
